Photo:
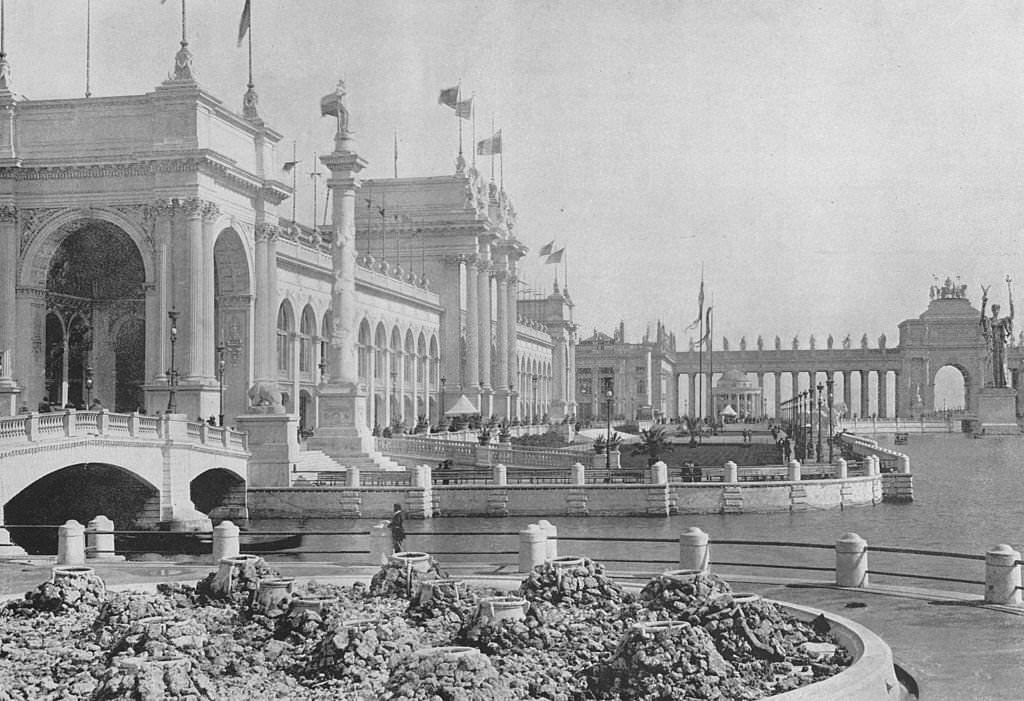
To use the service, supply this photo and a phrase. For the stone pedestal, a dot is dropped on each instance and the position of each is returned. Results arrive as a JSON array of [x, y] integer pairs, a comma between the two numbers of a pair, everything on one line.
[[274, 445], [997, 413], [9, 393], [341, 428]]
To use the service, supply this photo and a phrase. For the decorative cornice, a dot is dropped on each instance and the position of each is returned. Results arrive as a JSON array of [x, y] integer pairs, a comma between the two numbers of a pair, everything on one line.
[[267, 232]]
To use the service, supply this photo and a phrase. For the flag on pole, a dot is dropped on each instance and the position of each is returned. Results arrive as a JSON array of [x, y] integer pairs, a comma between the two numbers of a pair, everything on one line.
[[555, 257], [287, 167], [700, 307], [491, 146], [449, 97], [546, 249], [243, 23], [464, 109]]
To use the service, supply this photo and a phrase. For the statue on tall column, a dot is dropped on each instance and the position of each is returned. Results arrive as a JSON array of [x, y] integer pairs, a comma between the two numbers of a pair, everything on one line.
[[997, 331]]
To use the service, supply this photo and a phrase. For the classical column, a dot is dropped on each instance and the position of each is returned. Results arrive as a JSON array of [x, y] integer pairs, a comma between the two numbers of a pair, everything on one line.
[[847, 392], [293, 370], [8, 309], [210, 213], [898, 397], [511, 316], [501, 377], [865, 376], [471, 388], [262, 336], [483, 293], [883, 394], [190, 343], [778, 395]]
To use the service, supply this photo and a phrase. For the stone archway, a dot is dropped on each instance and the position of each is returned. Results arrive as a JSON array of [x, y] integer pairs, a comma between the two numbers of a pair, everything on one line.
[[232, 310], [94, 327], [950, 389]]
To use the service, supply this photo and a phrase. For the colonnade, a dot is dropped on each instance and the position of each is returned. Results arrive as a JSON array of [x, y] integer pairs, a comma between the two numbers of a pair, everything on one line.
[[843, 382]]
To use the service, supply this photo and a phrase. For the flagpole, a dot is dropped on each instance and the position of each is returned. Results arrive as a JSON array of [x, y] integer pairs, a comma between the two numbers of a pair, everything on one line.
[[396, 153], [251, 85], [711, 365], [294, 168], [88, 46], [313, 176], [700, 364], [492, 148], [327, 200], [458, 97], [473, 114], [501, 167]]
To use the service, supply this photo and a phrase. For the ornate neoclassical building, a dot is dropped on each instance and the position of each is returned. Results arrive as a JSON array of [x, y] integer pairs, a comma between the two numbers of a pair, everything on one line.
[[145, 261]]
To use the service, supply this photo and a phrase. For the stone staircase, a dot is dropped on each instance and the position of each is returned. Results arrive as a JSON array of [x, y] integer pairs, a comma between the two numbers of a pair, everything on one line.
[[312, 460]]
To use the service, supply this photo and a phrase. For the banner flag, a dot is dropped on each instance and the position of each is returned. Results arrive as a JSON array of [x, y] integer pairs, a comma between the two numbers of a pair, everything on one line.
[[546, 249], [489, 147], [464, 108], [243, 23], [555, 257], [449, 97]]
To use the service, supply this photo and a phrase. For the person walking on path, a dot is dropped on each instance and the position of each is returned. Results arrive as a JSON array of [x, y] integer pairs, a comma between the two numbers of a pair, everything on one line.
[[397, 528]]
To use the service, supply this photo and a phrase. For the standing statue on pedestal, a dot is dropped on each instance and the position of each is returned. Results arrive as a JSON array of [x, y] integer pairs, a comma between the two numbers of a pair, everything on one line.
[[997, 333]]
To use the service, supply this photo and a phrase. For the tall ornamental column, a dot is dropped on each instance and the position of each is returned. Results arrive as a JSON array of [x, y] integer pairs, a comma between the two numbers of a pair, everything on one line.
[[191, 330], [263, 337], [898, 398], [778, 395], [472, 370], [343, 421], [864, 384], [883, 394], [483, 294], [8, 309], [501, 372], [209, 340]]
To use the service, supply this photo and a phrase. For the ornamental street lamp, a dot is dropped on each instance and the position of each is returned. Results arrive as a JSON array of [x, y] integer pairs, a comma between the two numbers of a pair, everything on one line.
[[812, 396], [831, 430], [803, 426], [221, 365], [394, 398], [535, 407], [172, 372], [88, 386], [608, 431], [440, 414], [821, 395]]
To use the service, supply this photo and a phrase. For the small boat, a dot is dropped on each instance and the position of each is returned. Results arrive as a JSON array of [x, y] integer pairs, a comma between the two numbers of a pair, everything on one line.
[[186, 543]]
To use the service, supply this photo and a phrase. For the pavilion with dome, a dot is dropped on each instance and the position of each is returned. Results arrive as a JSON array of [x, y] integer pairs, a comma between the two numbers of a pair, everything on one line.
[[736, 390]]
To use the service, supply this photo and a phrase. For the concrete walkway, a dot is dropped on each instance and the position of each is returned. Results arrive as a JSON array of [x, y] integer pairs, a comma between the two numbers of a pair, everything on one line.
[[953, 645]]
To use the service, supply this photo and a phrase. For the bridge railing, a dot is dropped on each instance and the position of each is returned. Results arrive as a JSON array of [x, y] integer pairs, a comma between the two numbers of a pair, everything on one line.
[[40, 427], [421, 447]]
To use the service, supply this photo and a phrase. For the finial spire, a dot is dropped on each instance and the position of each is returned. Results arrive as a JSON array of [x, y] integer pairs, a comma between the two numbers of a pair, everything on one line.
[[183, 59], [5, 68]]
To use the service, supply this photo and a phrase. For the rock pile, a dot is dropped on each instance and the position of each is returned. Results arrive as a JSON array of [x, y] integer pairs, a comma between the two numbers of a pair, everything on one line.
[[61, 596], [445, 673], [584, 585], [400, 579]]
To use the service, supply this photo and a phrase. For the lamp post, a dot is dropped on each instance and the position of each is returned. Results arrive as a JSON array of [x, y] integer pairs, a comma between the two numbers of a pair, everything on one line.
[[88, 386], [610, 396], [221, 365], [804, 439], [533, 419], [394, 398], [821, 395], [440, 412], [831, 430], [172, 372]]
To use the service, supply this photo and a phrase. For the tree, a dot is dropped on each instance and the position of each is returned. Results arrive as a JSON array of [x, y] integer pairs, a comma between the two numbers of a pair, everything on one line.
[[653, 443]]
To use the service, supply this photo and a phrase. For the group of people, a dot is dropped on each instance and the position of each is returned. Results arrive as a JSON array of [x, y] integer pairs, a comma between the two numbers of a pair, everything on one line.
[[44, 407]]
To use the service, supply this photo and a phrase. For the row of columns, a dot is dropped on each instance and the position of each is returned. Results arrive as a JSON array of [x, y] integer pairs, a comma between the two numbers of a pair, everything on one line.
[[882, 392]]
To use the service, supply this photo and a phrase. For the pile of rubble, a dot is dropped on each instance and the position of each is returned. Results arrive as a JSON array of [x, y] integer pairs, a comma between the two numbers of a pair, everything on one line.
[[567, 634]]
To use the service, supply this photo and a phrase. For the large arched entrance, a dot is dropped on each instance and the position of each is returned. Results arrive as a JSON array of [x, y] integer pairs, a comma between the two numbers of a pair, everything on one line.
[[232, 312], [95, 318], [950, 387], [80, 492]]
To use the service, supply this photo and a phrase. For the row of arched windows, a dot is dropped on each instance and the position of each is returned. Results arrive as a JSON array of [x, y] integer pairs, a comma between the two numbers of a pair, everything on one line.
[[311, 354]]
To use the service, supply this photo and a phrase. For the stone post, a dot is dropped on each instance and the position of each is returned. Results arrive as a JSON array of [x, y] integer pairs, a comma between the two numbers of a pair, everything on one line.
[[851, 561], [533, 547], [842, 469], [551, 532], [1002, 576], [578, 474], [99, 539], [659, 473], [731, 474], [352, 476], [903, 465], [694, 551], [793, 471], [225, 541], [380, 543], [500, 475], [71, 544]]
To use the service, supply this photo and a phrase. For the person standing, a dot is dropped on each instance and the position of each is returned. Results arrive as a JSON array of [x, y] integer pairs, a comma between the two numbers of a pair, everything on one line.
[[397, 526]]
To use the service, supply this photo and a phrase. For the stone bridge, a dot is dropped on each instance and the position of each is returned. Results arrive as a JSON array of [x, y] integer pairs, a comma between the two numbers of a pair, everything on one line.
[[180, 463]]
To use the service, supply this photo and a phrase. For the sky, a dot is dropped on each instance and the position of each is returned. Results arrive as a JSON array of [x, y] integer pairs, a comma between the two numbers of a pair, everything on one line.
[[819, 161]]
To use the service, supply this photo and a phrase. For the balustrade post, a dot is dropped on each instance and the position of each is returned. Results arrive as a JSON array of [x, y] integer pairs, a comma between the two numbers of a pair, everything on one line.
[[380, 543], [694, 551], [578, 474], [851, 561], [731, 472], [903, 464], [552, 537], [102, 422], [225, 541], [352, 477], [32, 427], [71, 543], [1002, 576], [225, 436], [659, 473], [70, 423], [499, 475], [133, 424], [204, 430], [842, 469], [533, 547], [793, 471], [99, 540]]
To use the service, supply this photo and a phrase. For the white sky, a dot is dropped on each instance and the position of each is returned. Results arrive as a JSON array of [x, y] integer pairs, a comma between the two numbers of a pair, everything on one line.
[[821, 160]]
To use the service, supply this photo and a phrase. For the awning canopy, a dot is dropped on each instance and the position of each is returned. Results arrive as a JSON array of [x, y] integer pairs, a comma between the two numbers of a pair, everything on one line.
[[462, 407], [727, 411]]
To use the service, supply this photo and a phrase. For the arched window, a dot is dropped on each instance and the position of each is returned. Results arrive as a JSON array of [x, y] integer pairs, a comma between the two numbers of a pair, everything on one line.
[[380, 348], [307, 329], [435, 362], [410, 358], [285, 326], [421, 360]]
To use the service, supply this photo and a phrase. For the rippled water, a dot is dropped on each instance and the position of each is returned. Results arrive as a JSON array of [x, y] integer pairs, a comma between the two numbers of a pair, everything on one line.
[[968, 497]]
